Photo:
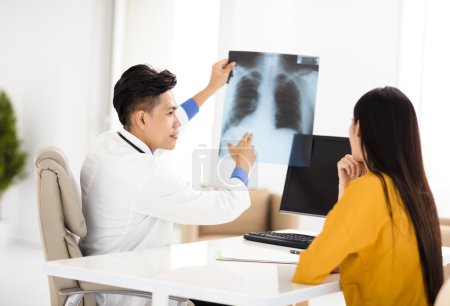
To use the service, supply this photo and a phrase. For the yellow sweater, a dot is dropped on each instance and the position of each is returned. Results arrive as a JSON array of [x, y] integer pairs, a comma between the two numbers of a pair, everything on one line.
[[378, 256]]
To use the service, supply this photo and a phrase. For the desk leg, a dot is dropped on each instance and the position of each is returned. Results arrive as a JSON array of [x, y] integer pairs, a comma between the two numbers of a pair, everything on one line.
[[160, 299]]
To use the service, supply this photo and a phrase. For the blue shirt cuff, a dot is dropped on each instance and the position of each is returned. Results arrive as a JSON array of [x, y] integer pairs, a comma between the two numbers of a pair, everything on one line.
[[190, 107], [241, 174]]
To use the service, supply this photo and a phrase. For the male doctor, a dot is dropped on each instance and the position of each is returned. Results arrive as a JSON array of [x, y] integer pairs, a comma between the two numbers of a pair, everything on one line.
[[131, 197]]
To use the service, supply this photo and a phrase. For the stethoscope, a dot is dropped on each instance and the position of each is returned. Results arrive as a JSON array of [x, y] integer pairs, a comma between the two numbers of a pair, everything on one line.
[[130, 143]]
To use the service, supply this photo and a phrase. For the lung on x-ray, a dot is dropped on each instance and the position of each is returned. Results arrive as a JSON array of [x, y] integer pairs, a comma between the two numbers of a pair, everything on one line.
[[274, 97]]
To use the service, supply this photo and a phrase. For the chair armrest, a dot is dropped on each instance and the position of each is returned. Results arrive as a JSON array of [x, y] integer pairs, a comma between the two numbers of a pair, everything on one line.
[[72, 291], [77, 295]]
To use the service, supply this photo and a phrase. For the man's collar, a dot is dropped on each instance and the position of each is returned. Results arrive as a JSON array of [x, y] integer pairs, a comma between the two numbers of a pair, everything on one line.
[[136, 141]]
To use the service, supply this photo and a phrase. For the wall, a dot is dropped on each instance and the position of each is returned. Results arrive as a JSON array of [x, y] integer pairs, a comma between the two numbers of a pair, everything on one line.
[[180, 36], [149, 31], [435, 107], [361, 44], [55, 60], [423, 76], [358, 51], [354, 44], [54, 64]]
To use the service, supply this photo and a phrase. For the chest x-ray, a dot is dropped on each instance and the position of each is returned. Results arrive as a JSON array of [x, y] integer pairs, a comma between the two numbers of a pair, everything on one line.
[[273, 96]]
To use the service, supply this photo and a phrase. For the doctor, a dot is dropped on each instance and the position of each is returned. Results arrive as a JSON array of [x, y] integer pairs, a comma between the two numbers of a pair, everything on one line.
[[131, 197]]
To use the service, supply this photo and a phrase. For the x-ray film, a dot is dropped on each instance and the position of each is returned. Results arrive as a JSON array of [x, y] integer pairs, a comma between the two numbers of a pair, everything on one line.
[[274, 97]]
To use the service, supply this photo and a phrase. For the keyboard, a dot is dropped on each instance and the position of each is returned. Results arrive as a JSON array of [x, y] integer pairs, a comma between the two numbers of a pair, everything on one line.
[[292, 240]]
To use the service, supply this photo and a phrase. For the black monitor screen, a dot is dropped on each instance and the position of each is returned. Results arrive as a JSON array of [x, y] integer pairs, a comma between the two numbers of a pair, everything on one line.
[[313, 190]]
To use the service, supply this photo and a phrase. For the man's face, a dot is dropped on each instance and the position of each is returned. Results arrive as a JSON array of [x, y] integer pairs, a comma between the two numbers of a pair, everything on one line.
[[162, 124]]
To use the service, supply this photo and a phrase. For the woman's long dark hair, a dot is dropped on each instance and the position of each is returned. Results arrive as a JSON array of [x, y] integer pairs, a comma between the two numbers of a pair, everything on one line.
[[391, 145]]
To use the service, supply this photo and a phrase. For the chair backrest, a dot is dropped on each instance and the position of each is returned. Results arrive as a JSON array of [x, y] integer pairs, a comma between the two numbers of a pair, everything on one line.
[[443, 298], [60, 214]]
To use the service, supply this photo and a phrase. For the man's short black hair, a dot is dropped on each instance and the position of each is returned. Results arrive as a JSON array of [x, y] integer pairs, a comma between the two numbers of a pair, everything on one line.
[[140, 87]]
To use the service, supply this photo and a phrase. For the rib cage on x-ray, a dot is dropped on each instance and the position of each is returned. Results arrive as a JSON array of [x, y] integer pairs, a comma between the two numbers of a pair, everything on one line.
[[246, 98], [272, 96]]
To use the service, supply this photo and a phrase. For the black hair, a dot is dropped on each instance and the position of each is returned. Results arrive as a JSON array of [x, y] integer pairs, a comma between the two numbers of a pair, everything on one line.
[[140, 87], [391, 145]]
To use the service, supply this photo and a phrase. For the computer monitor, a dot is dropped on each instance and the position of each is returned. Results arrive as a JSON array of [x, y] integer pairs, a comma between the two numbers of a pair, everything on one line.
[[313, 190]]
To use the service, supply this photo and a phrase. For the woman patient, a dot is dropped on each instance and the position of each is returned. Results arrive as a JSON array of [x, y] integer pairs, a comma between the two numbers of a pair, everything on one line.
[[383, 233]]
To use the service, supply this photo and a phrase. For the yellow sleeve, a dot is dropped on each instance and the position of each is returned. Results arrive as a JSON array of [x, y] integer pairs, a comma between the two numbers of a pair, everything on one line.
[[352, 224], [325, 253]]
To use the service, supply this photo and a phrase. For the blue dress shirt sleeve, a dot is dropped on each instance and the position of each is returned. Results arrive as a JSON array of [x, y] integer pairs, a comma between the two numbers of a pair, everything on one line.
[[241, 174], [190, 107]]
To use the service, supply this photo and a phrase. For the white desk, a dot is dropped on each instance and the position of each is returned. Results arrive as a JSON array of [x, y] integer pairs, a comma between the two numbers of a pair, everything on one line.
[[191, 270]]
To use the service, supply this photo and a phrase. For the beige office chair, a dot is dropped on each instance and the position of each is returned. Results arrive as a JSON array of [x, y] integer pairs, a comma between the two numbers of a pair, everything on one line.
[[62, 224]]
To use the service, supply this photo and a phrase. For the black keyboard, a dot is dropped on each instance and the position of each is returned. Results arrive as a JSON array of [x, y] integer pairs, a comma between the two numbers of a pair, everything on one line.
[[292, 240]]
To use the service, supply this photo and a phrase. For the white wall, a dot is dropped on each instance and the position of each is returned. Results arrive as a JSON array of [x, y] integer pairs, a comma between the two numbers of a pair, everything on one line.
[[362, 45], [54, 64], [195, 50], [358, 51], [55, 60], [180, 36], [149, 33], [357, 42], [423, 76], [435, 108], [358, 45]]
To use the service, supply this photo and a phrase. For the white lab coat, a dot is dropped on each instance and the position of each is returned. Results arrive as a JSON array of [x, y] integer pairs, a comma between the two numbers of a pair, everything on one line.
[[131, 199]]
